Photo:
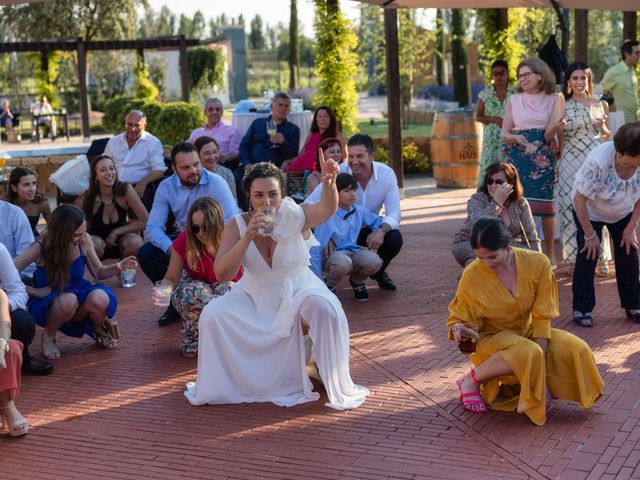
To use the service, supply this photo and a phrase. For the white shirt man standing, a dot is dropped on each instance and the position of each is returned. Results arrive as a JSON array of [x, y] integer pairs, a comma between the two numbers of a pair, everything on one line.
[[377, 188], [137, 154]]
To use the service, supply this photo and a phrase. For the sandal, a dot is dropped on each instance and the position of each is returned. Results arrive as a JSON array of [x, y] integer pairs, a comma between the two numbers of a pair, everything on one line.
[[467, 403], [18, 425], [49, 348], [106, 341], [583, 319]]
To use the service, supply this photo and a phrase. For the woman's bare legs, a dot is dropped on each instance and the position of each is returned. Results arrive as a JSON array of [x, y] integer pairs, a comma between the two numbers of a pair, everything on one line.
[[549, 232], [492, 367]]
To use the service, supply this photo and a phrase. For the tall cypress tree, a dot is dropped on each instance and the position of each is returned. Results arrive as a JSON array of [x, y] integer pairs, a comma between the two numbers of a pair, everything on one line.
[[459, 58], [294, 62]]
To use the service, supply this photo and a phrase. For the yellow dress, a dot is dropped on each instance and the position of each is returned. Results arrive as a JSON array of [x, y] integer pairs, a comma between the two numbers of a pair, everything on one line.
[[507, 324]]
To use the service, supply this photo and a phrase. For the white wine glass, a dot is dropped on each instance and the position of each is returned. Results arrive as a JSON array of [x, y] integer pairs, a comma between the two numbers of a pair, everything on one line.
[[272, 129], [596, 112]]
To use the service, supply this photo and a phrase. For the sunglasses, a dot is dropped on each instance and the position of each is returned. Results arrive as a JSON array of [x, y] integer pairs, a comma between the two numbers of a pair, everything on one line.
[[196, 229], [498, 181]]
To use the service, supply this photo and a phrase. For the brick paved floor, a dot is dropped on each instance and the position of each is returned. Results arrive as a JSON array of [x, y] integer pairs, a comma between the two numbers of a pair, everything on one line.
[[122, 415]]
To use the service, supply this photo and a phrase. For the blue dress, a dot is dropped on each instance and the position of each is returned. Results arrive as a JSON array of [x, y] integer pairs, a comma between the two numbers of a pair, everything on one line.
[[39, 306]]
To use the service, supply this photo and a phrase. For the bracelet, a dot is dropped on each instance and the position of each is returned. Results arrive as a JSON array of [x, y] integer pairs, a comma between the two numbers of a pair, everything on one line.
[[498, 204], [4, 345], [590, 236]]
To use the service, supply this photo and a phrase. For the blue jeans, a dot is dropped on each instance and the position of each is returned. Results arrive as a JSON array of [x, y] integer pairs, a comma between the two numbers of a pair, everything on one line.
[[627, 271]]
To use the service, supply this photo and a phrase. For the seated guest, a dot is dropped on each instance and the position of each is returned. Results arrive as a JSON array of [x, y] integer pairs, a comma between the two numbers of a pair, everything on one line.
[[251, 346], [209, 153], [16, 235], [331, 148], [138, 156], [258, 145], [227, 137], [377, 187], [7, 117], [505, 302], [44, 110], [324, 125], [174, 196], [105, 206], [191, 268], [61, 299], [23, 326], [343, 229], [10, 361], [500, 195], [606, 193], [23, 192]]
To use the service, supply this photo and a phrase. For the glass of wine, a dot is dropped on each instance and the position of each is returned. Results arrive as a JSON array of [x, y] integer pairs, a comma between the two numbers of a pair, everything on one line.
[[596, 112], [272, 129]]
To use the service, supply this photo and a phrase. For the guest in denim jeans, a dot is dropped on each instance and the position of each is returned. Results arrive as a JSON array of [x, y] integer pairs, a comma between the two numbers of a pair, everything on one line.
[[606, 192]]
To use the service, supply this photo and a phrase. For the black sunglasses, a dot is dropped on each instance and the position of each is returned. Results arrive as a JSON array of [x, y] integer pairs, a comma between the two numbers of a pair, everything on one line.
[[195, 229], [498, 181]]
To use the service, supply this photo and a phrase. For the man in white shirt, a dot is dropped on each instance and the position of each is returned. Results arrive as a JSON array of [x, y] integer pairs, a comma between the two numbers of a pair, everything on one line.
[[138, 156], [377, 187], [15, 236]]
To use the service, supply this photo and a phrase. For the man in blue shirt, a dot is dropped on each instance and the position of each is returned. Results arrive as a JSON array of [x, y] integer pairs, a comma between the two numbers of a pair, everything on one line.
[[343, 229], [174, 196]]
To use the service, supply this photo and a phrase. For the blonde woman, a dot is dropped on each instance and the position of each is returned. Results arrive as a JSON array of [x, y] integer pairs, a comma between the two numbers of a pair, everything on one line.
[[191, 268]]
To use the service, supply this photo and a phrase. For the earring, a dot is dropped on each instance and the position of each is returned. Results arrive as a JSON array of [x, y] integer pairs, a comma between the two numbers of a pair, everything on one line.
[[569, 89]]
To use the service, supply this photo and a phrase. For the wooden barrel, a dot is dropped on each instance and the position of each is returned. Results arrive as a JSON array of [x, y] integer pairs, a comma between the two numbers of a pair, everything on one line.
[[456, 145]]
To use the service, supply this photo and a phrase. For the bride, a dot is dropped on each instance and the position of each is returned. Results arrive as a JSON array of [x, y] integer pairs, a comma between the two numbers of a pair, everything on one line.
[[251, 344]]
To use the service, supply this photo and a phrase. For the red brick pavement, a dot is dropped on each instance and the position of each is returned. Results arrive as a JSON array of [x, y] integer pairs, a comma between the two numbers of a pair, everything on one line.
[[122, 415]]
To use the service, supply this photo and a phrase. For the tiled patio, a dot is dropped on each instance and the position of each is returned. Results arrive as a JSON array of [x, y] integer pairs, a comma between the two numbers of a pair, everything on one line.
[[121, 414]]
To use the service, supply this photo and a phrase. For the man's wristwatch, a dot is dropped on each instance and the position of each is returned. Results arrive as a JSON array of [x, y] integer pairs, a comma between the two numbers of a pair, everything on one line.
[[385, 228]]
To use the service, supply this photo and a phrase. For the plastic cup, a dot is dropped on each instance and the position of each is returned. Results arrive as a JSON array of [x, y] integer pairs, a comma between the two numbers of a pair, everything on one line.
[[128, 277], [269, 220], [162, 290]]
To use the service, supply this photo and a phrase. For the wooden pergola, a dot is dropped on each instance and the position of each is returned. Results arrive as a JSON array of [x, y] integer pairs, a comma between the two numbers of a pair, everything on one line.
[[81, 48], [394, 106]]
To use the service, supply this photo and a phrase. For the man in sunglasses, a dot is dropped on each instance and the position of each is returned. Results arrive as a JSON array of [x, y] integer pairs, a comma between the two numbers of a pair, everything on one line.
[[174, 197]]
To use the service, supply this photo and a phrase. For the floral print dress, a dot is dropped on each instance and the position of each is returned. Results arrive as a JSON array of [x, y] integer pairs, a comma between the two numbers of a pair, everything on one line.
[[492, 146]]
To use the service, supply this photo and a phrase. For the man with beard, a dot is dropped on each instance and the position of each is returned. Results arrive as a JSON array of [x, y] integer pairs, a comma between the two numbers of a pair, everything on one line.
[[174, 196], [138, 156]]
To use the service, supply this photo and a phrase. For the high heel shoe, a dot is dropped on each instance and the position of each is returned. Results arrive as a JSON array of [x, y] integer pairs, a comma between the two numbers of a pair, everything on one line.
[[19, 426]]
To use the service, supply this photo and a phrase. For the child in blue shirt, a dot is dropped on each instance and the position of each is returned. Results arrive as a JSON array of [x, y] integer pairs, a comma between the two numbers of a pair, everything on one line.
[[343, 229]]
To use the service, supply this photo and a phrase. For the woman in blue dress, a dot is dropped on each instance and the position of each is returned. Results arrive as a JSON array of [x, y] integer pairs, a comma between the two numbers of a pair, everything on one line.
[[61, 299]]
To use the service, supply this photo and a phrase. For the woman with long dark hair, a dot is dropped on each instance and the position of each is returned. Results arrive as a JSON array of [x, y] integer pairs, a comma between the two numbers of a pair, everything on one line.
[[23, 192], [61, 299], [106, 205], [324, 125]]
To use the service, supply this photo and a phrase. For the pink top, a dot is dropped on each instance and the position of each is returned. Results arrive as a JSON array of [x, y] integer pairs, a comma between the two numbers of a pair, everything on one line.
[[227, 136], [205, 269], [531, 111], [307, 159]]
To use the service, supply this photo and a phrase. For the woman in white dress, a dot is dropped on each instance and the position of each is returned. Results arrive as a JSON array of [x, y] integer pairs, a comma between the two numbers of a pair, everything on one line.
[[251, 344]]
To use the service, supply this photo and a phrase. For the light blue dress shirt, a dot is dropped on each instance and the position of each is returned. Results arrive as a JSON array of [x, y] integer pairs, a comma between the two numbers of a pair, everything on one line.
[[173, 196], [15, 233]]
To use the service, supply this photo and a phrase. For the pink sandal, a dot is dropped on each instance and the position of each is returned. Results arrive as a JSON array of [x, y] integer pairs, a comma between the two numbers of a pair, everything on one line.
[[467, 404]]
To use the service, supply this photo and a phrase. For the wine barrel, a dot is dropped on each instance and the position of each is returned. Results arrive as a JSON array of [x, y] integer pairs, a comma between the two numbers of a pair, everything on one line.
[[456, 145]]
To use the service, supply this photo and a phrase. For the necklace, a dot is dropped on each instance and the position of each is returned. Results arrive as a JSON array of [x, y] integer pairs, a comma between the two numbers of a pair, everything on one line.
[[105, 202]]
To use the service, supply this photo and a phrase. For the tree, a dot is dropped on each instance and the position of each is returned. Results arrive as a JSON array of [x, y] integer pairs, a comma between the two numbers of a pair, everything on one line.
[[256, 35], [459, 58], [440, 52], [336, 63], [371, 48], [294, 56]]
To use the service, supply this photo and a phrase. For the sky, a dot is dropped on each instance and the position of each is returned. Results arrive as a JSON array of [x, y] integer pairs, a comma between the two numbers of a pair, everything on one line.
[[272, 11]]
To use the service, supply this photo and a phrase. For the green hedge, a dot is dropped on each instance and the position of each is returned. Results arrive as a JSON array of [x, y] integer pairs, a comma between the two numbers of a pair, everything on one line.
[[176, 121]]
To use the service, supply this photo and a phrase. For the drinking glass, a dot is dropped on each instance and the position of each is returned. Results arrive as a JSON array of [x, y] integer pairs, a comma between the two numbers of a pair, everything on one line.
[[272, 129], [596, 112], [467, 345], [162, 293], [270, 221], [128, 277]]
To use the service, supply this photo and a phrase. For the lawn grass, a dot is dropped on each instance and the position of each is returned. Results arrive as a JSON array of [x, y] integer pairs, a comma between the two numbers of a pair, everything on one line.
[[381, 129]]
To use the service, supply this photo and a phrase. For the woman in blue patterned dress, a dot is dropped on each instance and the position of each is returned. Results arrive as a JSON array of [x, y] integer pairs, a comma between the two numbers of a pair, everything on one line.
[[490, 111], [61, 298], [580, 137], [532, 121]]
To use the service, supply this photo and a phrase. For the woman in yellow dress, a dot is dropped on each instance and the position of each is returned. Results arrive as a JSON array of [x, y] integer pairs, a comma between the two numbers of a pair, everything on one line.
[[505, 301]]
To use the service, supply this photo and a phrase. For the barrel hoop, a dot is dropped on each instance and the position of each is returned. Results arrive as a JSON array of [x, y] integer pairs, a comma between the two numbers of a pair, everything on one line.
[[455, 164], [467, 136]]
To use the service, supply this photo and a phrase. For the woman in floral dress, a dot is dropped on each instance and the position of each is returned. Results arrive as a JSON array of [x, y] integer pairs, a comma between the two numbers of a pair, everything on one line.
[[580, 137], [490, 111]]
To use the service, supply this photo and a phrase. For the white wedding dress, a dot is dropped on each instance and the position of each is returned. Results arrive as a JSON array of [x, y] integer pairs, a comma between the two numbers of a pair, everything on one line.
[[251, 346]]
